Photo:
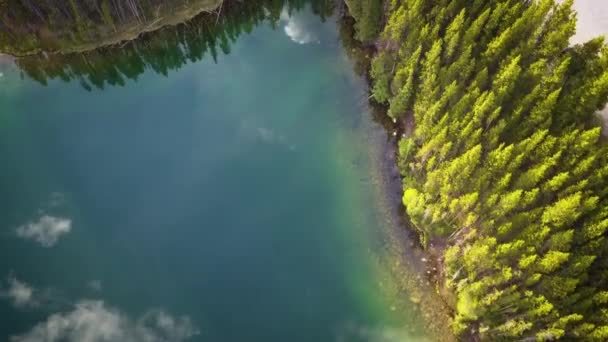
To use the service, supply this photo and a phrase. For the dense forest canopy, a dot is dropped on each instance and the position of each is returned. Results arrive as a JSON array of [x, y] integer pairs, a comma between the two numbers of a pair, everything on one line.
[[165, 49], [504, 174]]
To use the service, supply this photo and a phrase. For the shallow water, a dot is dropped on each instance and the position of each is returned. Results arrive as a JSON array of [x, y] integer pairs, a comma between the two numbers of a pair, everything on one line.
[[225, 201]]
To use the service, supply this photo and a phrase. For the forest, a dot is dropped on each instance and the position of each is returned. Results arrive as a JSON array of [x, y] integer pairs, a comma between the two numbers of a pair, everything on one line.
[[505, 172]]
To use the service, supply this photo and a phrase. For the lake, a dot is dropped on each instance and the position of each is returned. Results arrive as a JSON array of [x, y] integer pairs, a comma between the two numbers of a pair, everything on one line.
[[222, 198]]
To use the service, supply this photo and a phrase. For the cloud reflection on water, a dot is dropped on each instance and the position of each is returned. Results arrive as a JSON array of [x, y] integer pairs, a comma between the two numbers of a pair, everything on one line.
[[19, 293], [94, 321], [46, 231], [298, 28]]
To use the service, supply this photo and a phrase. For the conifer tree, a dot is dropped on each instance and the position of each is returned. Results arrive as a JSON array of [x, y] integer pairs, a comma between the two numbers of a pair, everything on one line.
[[505, 164]]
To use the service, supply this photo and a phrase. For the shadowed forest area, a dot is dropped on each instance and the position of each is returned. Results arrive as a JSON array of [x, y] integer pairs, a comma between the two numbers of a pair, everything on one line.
[[30, 26], [169, 48]]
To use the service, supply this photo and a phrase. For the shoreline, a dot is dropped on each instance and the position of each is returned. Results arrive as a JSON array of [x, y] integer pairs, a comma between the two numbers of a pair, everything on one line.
[[402, 255], [411, 271], [402, 258], [129, 33]]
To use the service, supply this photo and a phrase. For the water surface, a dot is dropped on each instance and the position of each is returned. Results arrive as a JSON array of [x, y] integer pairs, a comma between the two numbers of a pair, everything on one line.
[[225, 201]]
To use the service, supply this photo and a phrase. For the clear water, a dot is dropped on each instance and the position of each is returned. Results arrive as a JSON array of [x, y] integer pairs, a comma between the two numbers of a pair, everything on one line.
[[233, 196]]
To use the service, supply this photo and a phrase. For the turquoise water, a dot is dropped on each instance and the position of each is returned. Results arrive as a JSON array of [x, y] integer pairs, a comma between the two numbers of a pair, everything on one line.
[[225, 201]]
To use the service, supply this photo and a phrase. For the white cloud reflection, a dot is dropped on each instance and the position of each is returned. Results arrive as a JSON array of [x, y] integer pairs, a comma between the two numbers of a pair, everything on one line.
[[297, 29], [93, 321], [19, 293], [46, 231]]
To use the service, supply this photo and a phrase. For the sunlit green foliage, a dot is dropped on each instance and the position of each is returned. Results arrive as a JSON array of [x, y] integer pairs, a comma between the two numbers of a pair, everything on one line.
[[505, 165]]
